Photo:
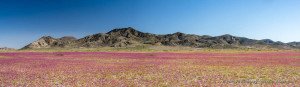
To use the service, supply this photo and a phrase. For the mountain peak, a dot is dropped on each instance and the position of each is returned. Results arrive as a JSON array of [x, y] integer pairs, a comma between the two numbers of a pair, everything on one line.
[[46, 37], [68, 38], [126, 32], [179, 33], [122, 30], [227, 35]]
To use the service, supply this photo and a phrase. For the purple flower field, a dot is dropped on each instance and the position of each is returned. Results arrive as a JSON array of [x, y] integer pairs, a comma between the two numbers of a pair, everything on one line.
[[149, 69]]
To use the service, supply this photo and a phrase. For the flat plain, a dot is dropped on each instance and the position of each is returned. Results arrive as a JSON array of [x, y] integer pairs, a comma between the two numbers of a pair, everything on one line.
[[236, 68]]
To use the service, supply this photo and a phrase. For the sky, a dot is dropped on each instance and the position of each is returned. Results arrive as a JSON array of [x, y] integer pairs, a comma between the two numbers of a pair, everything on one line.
[[24, 21]]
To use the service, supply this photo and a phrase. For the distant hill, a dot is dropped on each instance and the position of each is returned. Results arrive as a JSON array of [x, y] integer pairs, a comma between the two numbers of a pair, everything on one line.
[[129, 37], [6, 48]]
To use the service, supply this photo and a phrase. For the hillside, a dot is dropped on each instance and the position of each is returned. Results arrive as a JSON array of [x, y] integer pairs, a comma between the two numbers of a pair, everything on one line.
[[129, 37]]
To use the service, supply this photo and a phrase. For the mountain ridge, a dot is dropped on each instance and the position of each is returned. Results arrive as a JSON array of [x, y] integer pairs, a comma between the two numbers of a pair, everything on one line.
[[126, 37], [6, 48]]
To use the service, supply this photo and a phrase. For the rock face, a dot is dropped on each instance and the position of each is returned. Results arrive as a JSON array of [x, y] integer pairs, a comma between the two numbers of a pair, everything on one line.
[[125, 37]]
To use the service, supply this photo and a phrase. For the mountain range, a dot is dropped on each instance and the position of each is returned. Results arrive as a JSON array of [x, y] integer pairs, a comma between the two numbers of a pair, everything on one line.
[[6, 48], [130, 37]]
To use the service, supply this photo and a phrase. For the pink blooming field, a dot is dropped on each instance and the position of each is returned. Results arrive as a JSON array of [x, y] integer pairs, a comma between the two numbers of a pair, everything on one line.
[[39, 69]]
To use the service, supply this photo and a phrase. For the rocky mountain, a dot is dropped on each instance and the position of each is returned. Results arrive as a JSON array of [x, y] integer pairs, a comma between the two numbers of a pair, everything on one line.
[[50, 42], [125, 37]]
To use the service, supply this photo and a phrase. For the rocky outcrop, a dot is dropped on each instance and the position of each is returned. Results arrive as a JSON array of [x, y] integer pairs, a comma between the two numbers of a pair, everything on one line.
[[125, 37]]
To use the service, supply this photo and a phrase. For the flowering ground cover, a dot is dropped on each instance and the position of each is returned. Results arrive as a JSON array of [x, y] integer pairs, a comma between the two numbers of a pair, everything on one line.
[[149, 69]]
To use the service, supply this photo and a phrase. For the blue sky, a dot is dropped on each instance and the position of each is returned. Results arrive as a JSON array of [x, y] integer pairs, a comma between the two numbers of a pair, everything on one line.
[[23, 21]]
